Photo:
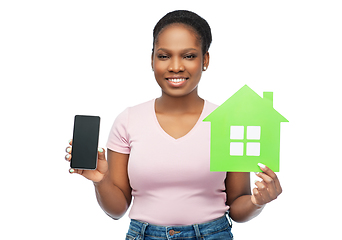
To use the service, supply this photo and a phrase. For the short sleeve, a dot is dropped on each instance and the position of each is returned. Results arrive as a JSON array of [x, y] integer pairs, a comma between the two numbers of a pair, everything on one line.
[[118, 139]]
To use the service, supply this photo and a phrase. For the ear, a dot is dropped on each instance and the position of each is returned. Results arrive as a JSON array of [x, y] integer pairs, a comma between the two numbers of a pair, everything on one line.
[[152, 60], [206, 58]]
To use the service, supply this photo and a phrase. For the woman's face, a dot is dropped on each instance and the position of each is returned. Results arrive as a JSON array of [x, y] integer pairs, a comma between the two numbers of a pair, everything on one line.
[[178, 61]]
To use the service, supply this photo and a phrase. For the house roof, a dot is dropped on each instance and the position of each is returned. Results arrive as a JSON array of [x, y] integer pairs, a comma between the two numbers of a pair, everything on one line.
[[246, 106]]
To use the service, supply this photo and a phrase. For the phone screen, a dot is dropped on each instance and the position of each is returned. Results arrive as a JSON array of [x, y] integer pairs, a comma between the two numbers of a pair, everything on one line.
[[85, 142]]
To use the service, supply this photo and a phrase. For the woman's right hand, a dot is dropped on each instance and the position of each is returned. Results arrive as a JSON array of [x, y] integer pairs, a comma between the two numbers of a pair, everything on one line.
[[94, 175]]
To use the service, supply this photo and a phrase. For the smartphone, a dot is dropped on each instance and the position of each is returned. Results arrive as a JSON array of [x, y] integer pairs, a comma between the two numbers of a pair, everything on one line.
[[85, 142]]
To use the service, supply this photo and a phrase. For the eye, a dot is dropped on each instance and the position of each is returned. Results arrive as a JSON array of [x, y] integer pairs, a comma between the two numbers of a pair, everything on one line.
[[162, 56], [190, 56]]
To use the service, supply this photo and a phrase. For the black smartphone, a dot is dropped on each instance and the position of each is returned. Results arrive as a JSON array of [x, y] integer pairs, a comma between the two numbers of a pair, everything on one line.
[[85, 142]]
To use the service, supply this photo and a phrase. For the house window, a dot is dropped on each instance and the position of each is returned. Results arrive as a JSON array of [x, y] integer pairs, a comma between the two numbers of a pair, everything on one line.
[[253, 132], [236, 148], [245, 140], [236, 132], [253, 149]]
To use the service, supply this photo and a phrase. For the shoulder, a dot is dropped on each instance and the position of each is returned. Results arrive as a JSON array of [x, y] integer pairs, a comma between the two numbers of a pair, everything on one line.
[[140, 109], [209, 107], [136, 113], [142, 106], [126, 123]]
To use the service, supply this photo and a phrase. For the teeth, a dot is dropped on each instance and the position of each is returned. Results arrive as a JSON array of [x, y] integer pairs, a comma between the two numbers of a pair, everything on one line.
[[176, 80]]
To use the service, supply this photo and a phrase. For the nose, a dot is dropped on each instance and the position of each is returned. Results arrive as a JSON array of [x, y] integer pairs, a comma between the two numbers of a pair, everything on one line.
[[176, 65]]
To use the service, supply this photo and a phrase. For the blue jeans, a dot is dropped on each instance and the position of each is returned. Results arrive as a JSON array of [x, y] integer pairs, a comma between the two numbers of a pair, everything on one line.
[[213, 230]]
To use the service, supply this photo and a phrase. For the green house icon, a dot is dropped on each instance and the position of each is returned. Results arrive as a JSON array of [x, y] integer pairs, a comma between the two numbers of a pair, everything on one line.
[[245, 131]]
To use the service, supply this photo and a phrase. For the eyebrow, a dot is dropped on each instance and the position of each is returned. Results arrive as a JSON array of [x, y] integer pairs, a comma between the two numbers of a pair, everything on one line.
[[185, 50]]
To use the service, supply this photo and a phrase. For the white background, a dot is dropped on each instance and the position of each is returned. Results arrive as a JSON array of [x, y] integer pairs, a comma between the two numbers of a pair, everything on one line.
[[61, 58]]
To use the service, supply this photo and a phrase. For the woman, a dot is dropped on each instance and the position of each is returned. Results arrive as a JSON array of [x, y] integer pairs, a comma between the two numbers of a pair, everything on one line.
[[158, 151]]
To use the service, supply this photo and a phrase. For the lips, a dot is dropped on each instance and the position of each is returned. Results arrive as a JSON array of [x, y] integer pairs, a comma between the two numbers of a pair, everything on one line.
[[176, 81]]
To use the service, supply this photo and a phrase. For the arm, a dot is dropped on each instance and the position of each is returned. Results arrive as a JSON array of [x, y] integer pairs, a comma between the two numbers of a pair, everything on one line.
[[239, 197], [243, 205], [114, 192]]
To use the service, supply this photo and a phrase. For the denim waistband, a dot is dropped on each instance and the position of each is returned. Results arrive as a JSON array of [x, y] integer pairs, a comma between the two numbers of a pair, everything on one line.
[[188, 231]]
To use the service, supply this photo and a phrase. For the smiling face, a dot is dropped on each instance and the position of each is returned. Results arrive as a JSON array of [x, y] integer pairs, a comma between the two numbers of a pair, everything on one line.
[[178, 61]]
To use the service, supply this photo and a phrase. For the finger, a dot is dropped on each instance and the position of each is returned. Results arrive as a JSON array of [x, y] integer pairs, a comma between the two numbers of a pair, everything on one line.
[[258, 200], [102, 168], [263, 192], [101, 154], [78, 171], [88, 174], [270, 185], [274, 176], [68, 149], [68, 157]]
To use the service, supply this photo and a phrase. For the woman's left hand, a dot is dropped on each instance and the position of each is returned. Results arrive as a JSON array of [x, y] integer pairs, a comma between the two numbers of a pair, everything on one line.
[[267, 189]]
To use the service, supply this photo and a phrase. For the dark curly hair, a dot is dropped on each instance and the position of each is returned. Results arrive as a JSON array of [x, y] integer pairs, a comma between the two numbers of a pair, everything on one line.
[[188, 18]]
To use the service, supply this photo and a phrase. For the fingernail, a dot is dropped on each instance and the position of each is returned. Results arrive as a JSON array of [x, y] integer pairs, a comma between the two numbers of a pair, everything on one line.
[[67, 156], [70, 141], [261, 165], [100, 150], [69, 150], [71, 170]]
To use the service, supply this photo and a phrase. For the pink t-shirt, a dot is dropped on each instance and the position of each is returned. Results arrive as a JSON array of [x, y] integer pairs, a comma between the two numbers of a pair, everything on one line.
[[170, 178]]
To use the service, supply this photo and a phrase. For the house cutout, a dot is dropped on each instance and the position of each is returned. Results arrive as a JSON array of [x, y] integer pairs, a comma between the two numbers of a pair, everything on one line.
[[245, 131]]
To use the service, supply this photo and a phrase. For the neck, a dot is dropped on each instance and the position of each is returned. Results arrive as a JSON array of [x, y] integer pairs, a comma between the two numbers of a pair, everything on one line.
[[184, 104]]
